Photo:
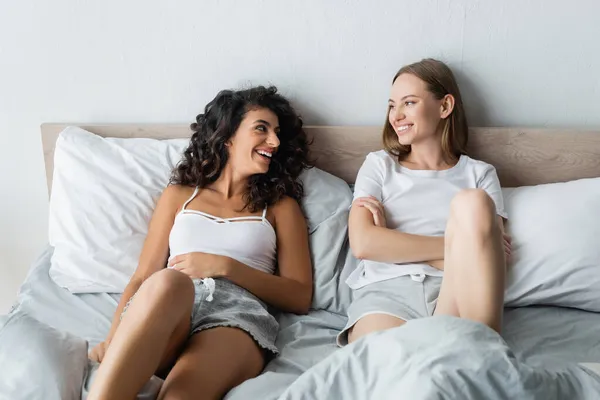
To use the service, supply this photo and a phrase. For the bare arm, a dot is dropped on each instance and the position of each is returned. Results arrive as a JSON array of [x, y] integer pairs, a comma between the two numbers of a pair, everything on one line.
[[377, 243], [153, 258], [291, 290], [369, 236], [155, 251]]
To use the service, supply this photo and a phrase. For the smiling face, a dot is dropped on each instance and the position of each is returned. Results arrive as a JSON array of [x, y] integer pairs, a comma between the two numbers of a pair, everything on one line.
[[425, 110], [255, 142], [414, 112]]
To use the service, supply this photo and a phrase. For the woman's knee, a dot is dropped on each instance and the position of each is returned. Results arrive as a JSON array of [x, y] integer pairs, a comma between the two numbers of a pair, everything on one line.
[[473, 208], [168, 286]]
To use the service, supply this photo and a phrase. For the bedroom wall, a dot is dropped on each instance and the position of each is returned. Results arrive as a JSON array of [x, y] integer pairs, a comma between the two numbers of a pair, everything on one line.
[[526, 63]]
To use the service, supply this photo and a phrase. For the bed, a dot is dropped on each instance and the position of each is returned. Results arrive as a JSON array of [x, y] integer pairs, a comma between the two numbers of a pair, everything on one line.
[[537, 335]]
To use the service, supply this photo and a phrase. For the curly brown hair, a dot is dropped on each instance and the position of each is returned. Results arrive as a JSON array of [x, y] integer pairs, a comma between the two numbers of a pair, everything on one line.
[[206, 156]]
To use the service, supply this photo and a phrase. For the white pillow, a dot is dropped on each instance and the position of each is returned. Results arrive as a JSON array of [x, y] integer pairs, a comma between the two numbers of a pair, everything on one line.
[[556, 244], [103, 193]]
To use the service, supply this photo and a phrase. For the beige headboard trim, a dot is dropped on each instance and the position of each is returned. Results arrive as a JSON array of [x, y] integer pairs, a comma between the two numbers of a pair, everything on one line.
[[521, 156]]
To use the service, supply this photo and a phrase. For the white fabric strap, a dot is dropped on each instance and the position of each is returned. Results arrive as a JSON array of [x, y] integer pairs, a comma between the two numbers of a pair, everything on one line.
[[190, 199]]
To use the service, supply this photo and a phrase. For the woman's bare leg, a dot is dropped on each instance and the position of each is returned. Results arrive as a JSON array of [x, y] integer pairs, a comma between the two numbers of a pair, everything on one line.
[[214, 361], [474, 263], [153, 329]]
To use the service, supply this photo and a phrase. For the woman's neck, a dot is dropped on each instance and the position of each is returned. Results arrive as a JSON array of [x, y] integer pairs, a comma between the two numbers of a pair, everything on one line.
[[230, 184], [427, 156]]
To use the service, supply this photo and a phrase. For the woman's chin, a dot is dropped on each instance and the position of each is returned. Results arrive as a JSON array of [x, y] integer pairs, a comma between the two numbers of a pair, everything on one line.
[[261, 169], [407, 139]]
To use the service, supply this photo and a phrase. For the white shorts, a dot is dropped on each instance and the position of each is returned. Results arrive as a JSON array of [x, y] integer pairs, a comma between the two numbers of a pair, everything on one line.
[[401, 297]]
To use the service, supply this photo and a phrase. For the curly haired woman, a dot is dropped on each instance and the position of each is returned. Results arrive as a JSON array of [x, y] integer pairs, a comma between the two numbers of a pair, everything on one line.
[[195, 310]]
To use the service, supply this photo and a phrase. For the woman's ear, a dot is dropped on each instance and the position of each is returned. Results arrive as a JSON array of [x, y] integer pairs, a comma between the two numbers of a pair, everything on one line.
[[447, 106]]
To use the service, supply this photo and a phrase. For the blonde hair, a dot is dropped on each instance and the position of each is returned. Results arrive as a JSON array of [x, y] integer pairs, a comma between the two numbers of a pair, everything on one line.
[[440, 82]]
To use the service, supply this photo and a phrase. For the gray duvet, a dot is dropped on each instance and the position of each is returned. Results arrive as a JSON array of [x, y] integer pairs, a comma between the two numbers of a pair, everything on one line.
[[434, 358], [439, 358]]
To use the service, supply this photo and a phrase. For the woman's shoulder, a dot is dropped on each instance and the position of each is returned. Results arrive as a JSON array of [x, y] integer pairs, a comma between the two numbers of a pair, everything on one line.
[[176, 195], [379, 158], [286, 204], [380, 155], [481, 170], [286, 210], [478, 165], [175, 191]]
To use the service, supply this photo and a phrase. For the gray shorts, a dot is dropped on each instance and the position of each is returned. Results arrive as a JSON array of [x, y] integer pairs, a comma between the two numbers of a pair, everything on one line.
[[231, 306], [401, 297]]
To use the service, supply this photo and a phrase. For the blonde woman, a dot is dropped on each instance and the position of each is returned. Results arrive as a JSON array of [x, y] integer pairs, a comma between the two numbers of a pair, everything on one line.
[[427, 220]]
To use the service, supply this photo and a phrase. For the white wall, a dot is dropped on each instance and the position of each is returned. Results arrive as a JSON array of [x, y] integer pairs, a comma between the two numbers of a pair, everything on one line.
[[527, 63]]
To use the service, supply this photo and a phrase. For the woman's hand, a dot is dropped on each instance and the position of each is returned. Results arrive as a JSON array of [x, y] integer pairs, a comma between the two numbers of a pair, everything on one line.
[[376, 208], [98, 352], [199, 265]]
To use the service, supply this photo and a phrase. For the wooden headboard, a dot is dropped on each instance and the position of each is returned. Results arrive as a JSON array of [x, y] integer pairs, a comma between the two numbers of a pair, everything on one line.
[[521, 156]]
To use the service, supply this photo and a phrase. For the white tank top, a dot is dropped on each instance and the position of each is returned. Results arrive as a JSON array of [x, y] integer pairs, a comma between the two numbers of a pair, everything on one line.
[[250, 240]]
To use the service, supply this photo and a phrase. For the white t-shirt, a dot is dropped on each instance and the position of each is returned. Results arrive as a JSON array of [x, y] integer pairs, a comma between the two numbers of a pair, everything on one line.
[[417, 202]]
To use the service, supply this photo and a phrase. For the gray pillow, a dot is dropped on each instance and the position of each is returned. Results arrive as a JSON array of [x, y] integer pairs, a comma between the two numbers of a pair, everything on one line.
[[324, 196], [326, 202], [40, 362]]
